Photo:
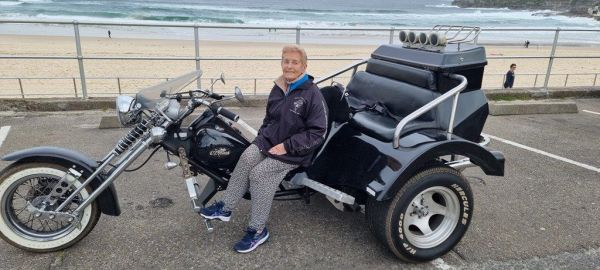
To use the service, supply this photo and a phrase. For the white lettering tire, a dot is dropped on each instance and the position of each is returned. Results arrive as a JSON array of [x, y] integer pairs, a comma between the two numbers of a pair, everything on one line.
[[426, 218], [38, 243]]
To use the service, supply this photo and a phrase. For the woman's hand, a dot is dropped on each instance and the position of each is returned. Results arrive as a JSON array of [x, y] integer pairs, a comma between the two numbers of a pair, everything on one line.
[[278, 150]]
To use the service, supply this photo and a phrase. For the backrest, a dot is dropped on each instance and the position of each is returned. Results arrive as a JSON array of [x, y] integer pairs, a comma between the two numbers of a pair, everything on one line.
[[399, 97], [418, 77], [337, 106], [337, 110]]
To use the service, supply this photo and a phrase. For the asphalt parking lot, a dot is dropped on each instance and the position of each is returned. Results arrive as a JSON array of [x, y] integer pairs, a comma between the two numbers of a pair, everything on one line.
[[545, 213]]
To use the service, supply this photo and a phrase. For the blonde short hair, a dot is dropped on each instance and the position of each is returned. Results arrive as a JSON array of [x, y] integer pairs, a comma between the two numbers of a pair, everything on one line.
[[295, 48]]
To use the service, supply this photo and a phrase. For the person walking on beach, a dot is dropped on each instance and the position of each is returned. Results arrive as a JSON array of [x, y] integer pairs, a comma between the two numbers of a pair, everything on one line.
[[294, 126], [510, 76], [526, 43], [109, 34]]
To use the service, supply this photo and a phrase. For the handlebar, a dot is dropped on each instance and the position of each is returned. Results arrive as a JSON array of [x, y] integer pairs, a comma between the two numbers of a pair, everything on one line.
[[228, 114], [190, 95], [215, 108], [215, 96]]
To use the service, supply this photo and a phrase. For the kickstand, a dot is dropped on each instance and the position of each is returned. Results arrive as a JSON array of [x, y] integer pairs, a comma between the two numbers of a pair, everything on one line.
[[306, 195]]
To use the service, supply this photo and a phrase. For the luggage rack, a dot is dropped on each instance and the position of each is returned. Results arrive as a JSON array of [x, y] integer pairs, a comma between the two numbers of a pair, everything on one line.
[[462, 34]]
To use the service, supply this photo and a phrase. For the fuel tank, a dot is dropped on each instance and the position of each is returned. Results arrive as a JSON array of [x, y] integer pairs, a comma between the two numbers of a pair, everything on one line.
[[217, 145]]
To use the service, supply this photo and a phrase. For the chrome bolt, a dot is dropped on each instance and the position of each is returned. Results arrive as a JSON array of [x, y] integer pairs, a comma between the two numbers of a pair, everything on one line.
[[51, 217], [38, 214], [71, 219]]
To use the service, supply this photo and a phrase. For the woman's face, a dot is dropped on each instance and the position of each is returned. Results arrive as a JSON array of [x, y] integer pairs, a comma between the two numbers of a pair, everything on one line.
[[292, 66]]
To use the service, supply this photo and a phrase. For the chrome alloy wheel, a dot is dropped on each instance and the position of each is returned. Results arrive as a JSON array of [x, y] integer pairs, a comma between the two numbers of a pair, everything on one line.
[[431, 217]]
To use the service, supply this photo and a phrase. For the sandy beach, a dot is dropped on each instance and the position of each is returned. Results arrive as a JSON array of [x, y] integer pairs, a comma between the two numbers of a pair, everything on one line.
[[101, 74]]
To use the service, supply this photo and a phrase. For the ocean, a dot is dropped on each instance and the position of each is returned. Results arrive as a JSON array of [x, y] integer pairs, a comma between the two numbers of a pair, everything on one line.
[[400, 14]]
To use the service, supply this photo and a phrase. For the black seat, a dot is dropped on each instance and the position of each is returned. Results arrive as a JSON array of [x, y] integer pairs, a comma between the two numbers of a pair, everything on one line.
[[382, 127], [337, 111], [337, 107], [400, 90]]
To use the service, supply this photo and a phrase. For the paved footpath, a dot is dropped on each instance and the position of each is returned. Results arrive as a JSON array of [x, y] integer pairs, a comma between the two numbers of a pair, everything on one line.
[[544, 214]]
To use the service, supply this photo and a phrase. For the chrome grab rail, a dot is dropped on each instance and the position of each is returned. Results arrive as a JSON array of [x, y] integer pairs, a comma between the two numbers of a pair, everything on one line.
[[432, 104]]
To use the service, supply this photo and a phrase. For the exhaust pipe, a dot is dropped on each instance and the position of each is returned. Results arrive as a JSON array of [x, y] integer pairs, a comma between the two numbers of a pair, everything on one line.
[[403, 35], [437, 39], [412, 37], [423, 39]]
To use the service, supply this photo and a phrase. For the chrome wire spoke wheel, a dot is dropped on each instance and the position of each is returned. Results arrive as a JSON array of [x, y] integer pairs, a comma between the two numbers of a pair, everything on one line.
[[431, 217], [30, 192], [24, 190]]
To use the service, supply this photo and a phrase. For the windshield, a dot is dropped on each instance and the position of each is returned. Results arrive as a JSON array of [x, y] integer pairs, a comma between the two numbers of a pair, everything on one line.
[[148, 97]]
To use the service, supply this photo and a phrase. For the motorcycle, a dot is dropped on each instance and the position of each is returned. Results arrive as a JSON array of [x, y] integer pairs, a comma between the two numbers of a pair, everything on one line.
[[399, 136]]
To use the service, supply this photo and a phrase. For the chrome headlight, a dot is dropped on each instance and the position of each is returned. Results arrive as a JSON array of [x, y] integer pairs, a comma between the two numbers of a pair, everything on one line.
[[127, 111], [173, 109]]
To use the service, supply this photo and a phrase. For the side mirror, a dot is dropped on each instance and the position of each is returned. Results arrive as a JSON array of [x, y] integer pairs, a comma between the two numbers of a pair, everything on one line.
[[238, 94], [221, 78]]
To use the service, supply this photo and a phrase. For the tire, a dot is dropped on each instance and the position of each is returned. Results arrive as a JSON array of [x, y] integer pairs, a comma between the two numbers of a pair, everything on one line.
[[426, 218], [20, 177]]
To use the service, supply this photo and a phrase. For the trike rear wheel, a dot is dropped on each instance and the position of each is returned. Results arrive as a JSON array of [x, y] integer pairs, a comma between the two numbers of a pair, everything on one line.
[[426, 218]]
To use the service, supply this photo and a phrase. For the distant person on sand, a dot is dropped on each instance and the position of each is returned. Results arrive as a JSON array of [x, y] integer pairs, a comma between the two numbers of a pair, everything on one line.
[[109, 34], [527, 43], [510, 76]]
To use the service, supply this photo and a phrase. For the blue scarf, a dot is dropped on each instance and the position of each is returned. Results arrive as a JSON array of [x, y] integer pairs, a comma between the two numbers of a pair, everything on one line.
[[297, 83]]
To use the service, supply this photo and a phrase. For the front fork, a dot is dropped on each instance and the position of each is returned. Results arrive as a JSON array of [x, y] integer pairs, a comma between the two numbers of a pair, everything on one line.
[[71, 176]]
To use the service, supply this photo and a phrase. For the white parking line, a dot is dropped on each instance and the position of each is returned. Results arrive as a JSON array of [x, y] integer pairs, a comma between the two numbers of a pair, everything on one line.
[[439, 263], [3, 133], [598, 113], [591, 168]]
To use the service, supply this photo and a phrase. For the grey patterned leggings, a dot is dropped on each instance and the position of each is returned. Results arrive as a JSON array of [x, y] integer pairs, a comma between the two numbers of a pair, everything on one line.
[[261, 175]]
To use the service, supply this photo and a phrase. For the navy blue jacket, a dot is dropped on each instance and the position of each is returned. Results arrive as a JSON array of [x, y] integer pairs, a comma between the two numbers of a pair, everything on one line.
[[298, 120], [510, 79]]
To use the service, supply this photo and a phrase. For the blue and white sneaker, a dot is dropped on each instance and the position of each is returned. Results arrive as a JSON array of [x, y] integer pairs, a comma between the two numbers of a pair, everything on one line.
[[215, 211], [251, 240]]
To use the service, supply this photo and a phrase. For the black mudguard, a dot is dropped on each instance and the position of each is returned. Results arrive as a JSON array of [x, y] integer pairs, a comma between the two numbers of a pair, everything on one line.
[[107, 201], [352, 159]]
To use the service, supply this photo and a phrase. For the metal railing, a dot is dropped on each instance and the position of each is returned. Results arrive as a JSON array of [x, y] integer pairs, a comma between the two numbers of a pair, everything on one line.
[[593, 78], [82, 79], [118, 82], [532, 80]]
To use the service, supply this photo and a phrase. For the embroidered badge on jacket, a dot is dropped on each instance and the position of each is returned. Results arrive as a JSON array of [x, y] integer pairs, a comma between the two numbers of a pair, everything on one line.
[[297, 106]]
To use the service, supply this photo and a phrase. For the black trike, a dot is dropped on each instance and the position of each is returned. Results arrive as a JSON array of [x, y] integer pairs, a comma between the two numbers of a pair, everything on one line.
[[399, 135]]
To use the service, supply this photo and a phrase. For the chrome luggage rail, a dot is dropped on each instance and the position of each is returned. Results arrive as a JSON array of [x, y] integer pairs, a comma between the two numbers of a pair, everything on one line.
[[454, 92], [462, 34]]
